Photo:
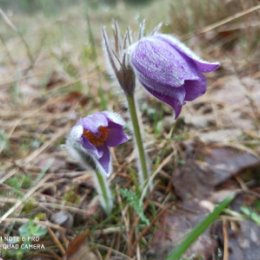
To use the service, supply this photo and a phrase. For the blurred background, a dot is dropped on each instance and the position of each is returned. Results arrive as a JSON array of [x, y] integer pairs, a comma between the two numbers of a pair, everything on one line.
[[67, 33], [53, 71], [55, 23]]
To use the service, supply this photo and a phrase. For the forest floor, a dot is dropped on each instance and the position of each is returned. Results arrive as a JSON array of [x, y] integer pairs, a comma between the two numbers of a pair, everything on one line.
[[53, 71]]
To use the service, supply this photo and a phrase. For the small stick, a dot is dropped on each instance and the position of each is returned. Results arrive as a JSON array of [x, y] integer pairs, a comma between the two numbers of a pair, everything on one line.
[[225, 236], [57, 242], [225, 21]]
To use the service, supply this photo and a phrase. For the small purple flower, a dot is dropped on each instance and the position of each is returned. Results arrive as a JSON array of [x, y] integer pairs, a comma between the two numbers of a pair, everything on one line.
[[169, 70], [93, 135]]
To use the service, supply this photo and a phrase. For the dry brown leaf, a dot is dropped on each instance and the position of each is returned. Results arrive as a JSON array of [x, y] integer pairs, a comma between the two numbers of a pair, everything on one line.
[[173, 226], [239, 99], [208, 166], [78, 249], [243, 240]]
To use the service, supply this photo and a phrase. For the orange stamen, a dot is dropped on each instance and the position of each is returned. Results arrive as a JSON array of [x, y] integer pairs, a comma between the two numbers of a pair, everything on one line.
[[98, 139]]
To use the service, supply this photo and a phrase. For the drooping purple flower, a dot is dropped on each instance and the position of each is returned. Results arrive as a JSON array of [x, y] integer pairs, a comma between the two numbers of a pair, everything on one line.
[[169, 70], [93, 135]]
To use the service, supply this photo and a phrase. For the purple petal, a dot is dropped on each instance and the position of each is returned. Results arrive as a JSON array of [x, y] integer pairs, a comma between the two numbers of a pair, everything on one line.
[[116, 135], [195, 88], [156, 60], [164, 89], [202, 65], [90, 148], [175, 102], [105, 161], [93, 122]]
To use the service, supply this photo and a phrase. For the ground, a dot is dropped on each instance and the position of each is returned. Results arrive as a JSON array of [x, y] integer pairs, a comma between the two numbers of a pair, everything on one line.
[[53, 71]]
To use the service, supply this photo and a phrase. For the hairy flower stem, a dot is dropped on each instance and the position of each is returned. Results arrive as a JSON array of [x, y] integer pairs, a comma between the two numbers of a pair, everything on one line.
[[143, 172], [104, 191]]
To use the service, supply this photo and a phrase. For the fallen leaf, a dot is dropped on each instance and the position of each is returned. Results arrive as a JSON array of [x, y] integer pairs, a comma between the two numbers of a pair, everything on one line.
[[226, 161], [236, 110], [189, 181], [243, 241], [172, 228], [208, 166], [238, 97], [78, 249]]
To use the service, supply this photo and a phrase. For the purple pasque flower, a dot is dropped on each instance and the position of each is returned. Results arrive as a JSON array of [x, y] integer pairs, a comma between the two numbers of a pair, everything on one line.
[[93, 135], [169, 70]]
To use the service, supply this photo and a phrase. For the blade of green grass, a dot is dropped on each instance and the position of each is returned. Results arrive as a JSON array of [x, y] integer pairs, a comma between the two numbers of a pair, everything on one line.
[[177, 252], [251, 214]]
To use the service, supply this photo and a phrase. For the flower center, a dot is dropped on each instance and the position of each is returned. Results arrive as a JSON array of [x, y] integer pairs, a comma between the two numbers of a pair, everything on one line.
[[97, 139]]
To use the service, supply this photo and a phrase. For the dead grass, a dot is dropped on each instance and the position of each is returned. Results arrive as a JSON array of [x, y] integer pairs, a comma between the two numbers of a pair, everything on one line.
[[41, 100]]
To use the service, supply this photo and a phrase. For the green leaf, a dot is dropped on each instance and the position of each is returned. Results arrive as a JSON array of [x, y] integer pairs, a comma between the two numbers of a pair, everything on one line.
[[134, 201], [177, 252], [251, 214], [31, 229], [19, 182]]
